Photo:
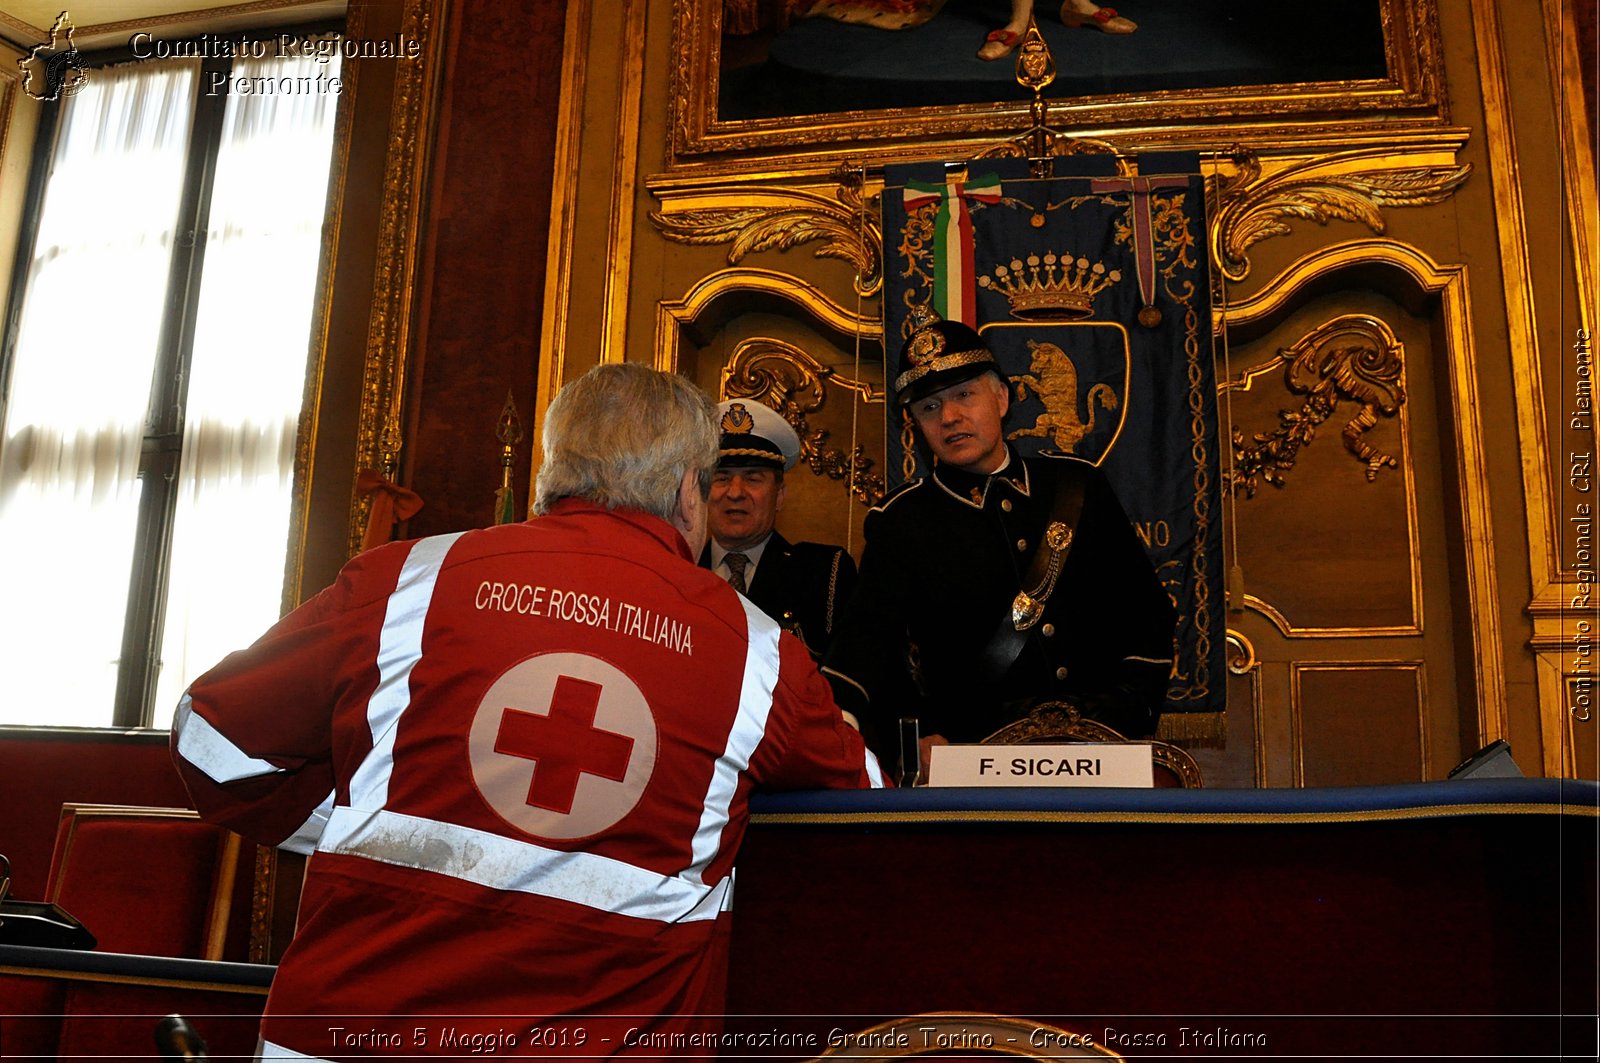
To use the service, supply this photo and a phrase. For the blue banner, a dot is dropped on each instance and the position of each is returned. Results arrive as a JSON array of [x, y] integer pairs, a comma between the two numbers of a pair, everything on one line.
[[1091, 288]]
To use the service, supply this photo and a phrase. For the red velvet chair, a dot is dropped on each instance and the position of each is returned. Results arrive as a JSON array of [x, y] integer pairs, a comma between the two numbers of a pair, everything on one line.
[[153, 881]]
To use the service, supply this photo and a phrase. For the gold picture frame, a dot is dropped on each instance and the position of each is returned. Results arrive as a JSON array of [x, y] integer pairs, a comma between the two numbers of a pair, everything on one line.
[[1408, 99]]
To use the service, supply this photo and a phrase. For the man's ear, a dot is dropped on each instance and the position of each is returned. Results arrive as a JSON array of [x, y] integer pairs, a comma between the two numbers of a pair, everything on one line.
[[1004, 390], [691, 513], [689, 498], [783, 487]]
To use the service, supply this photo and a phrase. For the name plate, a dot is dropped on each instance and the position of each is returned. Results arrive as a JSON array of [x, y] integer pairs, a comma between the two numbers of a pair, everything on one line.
[[1075, 764]]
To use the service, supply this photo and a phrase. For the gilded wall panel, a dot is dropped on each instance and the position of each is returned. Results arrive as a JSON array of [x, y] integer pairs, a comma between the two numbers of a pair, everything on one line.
[[1539, 142], [1386, 547], [1323, 491], [1386, 742]]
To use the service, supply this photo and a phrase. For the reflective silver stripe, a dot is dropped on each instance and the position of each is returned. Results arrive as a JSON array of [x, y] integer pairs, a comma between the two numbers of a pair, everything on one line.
[[749, 727], [265, 1049], [304, 840], [399, 649], [209, 750], [874, 772], [502, 863]]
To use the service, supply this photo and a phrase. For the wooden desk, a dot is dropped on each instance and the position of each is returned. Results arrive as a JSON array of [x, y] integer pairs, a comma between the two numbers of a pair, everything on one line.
[[1438, 918], [67, 1004], [1444, 919]]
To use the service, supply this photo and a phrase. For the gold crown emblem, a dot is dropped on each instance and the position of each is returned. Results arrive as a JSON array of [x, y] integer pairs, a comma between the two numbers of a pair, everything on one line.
[[738, 420], [925, 346], [1050, 286]]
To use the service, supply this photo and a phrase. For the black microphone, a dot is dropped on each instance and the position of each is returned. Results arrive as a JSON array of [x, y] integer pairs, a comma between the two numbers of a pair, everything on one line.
[[177, 1040]]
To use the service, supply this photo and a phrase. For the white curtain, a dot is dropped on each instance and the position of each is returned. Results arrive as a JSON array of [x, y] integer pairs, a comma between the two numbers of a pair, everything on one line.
[[69, 447], [69, 452], [248, 374]]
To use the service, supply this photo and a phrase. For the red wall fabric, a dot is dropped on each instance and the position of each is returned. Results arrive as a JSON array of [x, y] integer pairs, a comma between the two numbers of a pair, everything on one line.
[[482, 269], [42, 770]]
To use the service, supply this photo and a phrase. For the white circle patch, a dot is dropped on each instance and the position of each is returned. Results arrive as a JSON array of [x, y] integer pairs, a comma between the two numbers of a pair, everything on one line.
[[562, 745]]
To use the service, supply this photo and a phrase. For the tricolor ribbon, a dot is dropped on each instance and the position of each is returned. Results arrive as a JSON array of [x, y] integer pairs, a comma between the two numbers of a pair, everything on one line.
[[954, 294], [1144, 241]]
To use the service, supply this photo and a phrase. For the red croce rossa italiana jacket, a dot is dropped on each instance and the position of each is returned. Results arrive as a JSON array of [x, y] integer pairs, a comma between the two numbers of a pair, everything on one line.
[[520, 758]]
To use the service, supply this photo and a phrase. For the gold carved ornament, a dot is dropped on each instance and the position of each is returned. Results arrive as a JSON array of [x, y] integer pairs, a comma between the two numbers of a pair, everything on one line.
[[1058, 721], [1242, 658], [1350, 358], [1036, 71], [785, 378], [847, 225], [379, 438], [1253, 209]]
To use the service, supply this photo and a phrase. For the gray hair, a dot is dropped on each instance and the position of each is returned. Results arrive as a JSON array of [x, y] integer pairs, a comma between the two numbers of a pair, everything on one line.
[[622, 435]]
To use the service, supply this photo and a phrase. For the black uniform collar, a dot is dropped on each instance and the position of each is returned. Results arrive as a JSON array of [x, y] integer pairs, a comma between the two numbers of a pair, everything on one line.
[[973, 488]]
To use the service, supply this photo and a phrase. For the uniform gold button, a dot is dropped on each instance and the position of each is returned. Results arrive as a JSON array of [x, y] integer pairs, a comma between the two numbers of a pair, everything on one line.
[[1048, 630], [1022, 544], [1061, 673], [1005, 504]]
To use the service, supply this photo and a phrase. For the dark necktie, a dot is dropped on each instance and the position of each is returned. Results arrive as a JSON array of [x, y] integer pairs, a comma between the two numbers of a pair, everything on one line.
[[736, 563]]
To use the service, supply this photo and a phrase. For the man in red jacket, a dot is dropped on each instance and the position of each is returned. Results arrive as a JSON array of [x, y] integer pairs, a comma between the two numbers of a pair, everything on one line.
[[520, 758]]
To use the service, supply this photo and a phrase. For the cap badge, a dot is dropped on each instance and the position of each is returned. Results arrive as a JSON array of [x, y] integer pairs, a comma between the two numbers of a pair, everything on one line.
[[925, 346], [737, 420]]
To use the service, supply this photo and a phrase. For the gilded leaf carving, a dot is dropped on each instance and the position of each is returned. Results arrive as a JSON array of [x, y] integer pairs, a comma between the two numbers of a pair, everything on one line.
[[1253, 211], [786, 378], [1348, 359], [847, 227]]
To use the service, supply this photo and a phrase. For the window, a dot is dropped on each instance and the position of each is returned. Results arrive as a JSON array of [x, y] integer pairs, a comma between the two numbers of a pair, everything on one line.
[[152, 379]]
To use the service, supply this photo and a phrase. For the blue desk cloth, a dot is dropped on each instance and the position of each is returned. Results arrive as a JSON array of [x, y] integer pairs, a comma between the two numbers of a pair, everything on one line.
[[1332, 804]]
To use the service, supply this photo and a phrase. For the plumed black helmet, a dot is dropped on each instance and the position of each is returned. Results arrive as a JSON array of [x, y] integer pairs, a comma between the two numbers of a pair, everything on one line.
[[937, 354]]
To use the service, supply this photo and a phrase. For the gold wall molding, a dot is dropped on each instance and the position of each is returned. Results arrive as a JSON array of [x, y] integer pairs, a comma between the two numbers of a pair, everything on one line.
[[1505, 179], [10, 82], [624, 181], [310, 422], [1298, 669], [1566, 662], [563, 218], [1562, 606], [1448, 284], [730, 285], [1254, 201], [1242, 656], [785, 378], [1288, 630], [1552, 575], [1254, 207], [1577, 154], [379, 436], [762, 219], [1352, 357]]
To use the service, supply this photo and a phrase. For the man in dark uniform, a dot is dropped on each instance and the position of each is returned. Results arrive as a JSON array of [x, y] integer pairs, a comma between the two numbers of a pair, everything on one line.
[[803, 586], [997, 582]]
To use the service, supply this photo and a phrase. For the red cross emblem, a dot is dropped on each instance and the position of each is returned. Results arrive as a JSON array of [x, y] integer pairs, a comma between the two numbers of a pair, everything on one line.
[[565, 744], [562, 745]]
